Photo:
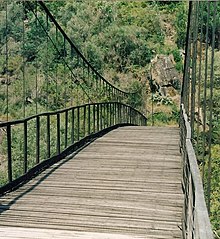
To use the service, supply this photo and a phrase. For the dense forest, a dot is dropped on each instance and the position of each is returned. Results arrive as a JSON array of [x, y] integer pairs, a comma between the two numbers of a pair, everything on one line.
[[120, 39]]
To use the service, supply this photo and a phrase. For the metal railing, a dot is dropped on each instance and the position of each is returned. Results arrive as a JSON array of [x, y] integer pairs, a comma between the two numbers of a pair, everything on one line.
[[38, 140], [196, 223], [88, 68], [33, 143], [43, 69], [200, 119]]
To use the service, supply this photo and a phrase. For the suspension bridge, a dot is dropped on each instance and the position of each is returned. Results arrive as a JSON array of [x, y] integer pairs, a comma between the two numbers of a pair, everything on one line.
[[93, 168]]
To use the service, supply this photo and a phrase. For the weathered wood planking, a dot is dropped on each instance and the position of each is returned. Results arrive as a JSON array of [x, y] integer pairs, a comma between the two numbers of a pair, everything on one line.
[[124, 185]]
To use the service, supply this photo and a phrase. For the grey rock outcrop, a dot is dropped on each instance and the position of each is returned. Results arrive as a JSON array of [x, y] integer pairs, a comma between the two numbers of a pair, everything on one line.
[[164, 78]]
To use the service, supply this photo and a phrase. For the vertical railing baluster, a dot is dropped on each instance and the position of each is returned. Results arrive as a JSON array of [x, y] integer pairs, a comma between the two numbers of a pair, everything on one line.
[[89, 121], [78, 123], [104, 118], [94, 118], [58, 133], [115, 113], [48, 136], [84, 121], [101, 117], [9, 153], [37, 139], [66, 129], [107, 114], [97, 117], [118, 108], [72, 127], [25, 147], [110, 114], [119, 118]]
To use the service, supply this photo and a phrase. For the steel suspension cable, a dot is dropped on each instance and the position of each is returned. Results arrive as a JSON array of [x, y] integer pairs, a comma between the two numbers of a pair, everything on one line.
[[64, 73], [54, 44], [186, 76], [6, 56], [47, 63], [23, 61], [211, 107], [199, 78], [205, 90], [194, 65], [56, 72], [36, 67]]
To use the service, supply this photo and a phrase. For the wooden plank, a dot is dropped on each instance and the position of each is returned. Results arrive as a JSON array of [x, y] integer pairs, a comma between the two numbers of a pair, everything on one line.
[[125, 185], [20, 233]]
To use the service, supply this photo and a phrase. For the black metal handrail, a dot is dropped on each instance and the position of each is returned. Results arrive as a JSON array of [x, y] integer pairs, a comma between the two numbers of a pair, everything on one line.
[[196, 223], [33, 143]]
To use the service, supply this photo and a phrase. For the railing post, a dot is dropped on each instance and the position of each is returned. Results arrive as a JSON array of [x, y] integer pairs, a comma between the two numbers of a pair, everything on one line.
[[9, 153], [107, 114], [78, 123], [48, 136], [101, 117], [84, 121], [58, 133], [94, 118], [25, 146], [72, 127], [110, 115], [66, 129], [118, 114], [98, 117], [89, 120], [104, 116], [37, 139]]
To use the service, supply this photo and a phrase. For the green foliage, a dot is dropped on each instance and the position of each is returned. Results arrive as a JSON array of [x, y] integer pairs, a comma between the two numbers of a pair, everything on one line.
[[202, 139], [178, 60], [120, 36], [215, 187], [123, 46], [170, 6], [142, 15], [34, 36], [204, 20], [180, 25], [166, 118], [136, 100]]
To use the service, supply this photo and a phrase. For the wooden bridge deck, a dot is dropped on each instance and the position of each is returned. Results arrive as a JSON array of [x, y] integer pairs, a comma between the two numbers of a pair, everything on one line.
[[124, 185]]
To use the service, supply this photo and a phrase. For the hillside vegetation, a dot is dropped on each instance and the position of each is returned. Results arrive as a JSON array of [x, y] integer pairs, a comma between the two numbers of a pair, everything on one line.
[[119, 38]]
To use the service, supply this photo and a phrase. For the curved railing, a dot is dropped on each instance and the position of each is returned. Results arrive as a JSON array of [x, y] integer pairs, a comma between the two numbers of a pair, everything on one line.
[[95, 86], [33, 143], [38, 140], [85, 63], [43, 70]]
